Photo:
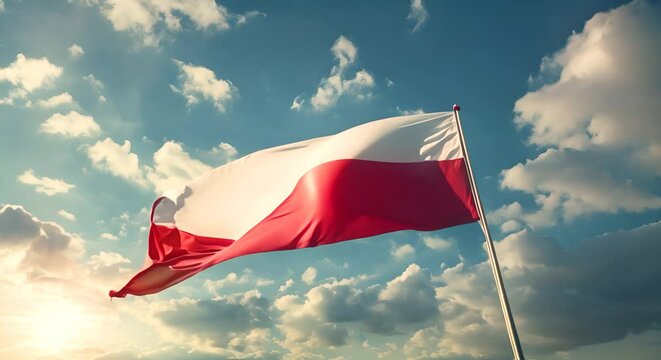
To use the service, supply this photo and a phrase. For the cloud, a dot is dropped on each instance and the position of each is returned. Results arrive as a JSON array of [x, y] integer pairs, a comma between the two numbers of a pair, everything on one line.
[[309, 275], [198, 83], [173, 168], [2, 6], [436, 243], [108, 264], [75, 51], [418, 14], [596, 119], [62, 99], [118, 160], [288, 284], [403, 252], [583, 182], [45, 249], [108, 236], [237, 325], [223, 153], [45, 185], [297, 103], [598, 292], [338, 84], [410, 112], [27, 75], [72, 124], [151, 20], [232, 279], [67, 215], [320, 319], [95, 83]]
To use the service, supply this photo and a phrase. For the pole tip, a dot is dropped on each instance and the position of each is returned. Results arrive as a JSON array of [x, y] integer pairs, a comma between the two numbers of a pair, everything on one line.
[[456, 107]]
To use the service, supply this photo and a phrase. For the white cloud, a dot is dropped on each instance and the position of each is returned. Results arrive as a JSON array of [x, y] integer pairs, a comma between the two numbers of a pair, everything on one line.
[[108, 236], [2, 5], [309, 275], [72, 124], [118, 160], [75, 51], [102, 99], [45, 185], [67, 215], [417, 14], [27, 75], [338, 84], [223, 153], [402, 252], [410, 112], [284, 287], [151, 20], [321, 318], [173, 168], [598, 114], [581, 182], [297, 103], [198, 83], [62, 99], [95, 83], [436, 243]]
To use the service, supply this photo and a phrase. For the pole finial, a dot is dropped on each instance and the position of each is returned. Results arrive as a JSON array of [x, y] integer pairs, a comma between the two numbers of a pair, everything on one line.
[[456, 107]]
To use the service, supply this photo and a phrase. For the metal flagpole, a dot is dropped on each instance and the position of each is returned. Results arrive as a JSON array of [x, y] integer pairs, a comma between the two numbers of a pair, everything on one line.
[[495, 268]]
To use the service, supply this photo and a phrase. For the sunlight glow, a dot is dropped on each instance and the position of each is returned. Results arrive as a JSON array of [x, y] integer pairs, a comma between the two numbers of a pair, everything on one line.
[[56, 325]]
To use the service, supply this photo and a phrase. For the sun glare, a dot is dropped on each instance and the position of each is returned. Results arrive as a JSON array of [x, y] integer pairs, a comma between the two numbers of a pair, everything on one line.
[[56, 325]]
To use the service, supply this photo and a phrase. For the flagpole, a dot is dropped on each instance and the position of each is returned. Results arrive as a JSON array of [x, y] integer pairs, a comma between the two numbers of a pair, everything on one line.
[[491, 251]]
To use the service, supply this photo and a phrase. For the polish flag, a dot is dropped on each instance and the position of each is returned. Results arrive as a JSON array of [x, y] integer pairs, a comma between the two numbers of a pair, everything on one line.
[[401, 173]]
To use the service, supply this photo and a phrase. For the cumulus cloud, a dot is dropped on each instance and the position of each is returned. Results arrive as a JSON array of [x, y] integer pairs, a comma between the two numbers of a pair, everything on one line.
[[62, 99], [284, 287], [172, 166], [417, 14], [338, 83], [47, 250], [598, 292], [118, 160], [27, 75], [309, 275], [67, 215], [234, 325], [108, 236], [597, 111], [198, 83], [45, 185], [321, 318], [402, 252], [152, 20], [72, 124], [75, 51], [436, 243], [232, 279]]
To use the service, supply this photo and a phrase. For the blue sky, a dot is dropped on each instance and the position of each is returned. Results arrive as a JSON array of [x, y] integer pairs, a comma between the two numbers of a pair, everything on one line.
[[106, 104]]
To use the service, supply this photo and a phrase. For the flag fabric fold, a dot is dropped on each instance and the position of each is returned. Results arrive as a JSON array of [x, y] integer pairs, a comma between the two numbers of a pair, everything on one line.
[[401, 173]]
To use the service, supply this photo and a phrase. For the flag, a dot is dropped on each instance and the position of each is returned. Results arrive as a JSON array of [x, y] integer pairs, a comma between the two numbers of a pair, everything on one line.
[[401, 173]]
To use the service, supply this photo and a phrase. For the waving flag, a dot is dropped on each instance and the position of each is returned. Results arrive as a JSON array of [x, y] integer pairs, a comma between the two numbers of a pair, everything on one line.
[[393, 174]]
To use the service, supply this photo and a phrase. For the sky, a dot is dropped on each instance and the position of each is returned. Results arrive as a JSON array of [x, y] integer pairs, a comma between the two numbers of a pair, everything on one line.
[[105, 105]]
